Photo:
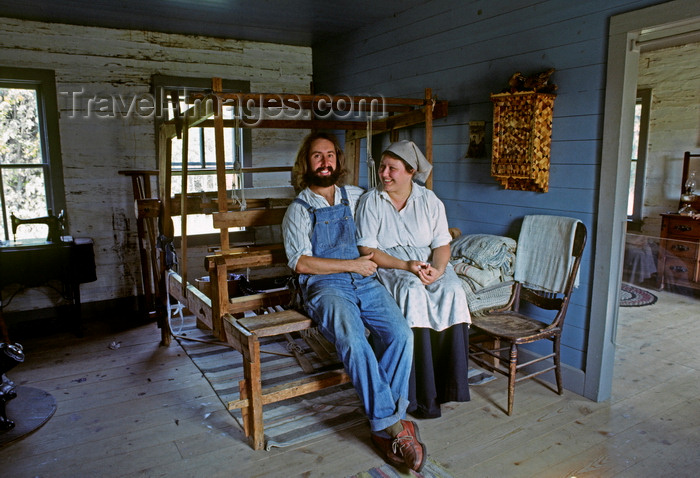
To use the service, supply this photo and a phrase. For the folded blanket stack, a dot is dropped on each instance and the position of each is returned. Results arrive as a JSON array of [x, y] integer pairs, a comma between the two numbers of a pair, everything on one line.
[[485, 264]]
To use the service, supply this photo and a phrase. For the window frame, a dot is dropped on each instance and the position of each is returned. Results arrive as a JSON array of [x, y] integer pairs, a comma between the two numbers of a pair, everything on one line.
[[44, 82]]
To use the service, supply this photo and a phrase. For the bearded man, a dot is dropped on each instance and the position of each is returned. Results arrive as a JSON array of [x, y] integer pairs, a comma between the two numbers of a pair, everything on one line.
[[343, 296]]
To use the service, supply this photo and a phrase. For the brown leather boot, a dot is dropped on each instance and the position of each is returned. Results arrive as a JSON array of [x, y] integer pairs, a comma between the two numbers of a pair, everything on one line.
[[384, 446], [407, 445]]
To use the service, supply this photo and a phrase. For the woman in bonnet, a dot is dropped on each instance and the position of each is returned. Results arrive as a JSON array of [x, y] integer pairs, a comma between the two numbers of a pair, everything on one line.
[[405, 226]]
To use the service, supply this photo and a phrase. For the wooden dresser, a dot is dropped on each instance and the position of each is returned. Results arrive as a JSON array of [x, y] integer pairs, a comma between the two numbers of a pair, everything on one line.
[[679, 252]]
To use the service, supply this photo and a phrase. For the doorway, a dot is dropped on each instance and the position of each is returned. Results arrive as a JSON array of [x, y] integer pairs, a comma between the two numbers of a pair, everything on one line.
[[628, 33]]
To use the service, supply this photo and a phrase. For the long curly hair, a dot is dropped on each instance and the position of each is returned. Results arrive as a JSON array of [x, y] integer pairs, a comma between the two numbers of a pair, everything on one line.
[[301, 164]]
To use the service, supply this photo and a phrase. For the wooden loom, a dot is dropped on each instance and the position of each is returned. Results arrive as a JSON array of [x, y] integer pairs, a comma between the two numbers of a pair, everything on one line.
[[242, 321]]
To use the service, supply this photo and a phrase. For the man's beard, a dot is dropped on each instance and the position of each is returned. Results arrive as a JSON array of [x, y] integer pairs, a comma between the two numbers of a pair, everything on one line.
[[313, 179]]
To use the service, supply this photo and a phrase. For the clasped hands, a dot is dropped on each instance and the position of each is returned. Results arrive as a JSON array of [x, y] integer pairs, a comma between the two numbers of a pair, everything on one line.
[[425, 271]]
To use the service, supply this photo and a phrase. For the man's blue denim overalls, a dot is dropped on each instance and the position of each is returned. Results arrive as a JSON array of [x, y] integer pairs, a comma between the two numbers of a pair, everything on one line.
[[344, 304]]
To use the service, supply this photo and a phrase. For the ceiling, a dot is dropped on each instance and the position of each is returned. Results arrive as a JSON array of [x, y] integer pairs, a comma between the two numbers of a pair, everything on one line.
[[293, 22]]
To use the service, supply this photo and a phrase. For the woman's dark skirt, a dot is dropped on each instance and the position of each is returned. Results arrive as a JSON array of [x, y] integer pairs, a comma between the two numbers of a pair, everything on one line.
[[440, 371]]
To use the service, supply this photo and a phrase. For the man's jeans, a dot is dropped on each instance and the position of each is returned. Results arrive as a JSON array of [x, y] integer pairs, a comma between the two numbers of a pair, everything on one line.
[[346, 305]]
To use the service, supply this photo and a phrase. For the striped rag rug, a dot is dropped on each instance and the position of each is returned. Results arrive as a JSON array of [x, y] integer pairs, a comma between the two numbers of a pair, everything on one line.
[[288, 422]]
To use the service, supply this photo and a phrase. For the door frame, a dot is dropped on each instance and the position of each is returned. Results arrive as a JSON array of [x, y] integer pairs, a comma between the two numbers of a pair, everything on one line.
[[625, 33]]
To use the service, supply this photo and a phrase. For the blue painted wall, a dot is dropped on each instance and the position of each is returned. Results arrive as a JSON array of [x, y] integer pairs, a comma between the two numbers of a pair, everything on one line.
[[466, 50]]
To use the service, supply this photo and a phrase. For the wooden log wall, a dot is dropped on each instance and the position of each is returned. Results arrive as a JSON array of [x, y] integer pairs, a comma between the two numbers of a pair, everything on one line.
[[98, 63]]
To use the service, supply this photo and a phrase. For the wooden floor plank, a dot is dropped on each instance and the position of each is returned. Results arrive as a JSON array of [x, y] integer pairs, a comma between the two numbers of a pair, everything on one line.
[[637, 444], [154, 369], [567, 436]]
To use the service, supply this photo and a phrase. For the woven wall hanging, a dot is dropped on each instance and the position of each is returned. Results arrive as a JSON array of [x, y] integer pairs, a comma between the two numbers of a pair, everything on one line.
[[522, 136]]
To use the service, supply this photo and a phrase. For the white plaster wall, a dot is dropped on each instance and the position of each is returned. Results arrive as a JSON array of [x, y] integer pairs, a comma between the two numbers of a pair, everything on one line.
[[109, 62], [673, 74]]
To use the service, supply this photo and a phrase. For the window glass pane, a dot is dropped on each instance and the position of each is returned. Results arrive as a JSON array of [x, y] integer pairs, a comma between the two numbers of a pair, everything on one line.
[[25, 196], [635, 136], [193, 151], [209, 149], [194, 160], [196, 224], [175, 183], [201, 182], [630, 197], [19, 127]]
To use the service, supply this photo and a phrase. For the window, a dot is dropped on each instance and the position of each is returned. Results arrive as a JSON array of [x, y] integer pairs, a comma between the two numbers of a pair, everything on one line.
[[31, 175], [635, 199], [201, 164]]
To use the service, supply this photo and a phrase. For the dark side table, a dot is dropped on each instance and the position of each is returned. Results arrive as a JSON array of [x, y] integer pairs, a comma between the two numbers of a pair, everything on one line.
[[35, 262]]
